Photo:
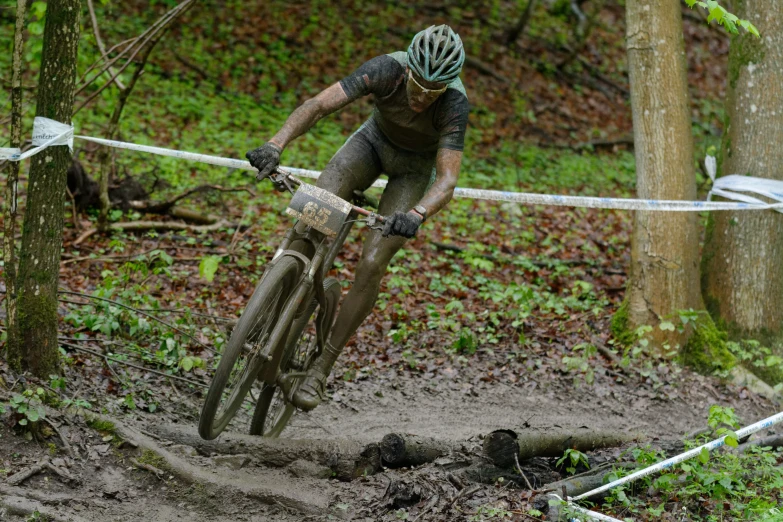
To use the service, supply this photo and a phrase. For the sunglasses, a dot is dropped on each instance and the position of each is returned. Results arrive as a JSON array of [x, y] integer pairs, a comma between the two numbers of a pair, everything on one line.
[[424, 89]]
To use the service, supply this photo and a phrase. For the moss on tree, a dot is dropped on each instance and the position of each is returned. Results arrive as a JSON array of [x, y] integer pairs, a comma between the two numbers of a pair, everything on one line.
[[706, 351], [745, 49], [620, 326]]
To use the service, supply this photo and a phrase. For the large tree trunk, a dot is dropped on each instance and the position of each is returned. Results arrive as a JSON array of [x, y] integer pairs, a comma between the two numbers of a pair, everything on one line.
[[743, 255], [39, 261], [9, 219], [664, 273]]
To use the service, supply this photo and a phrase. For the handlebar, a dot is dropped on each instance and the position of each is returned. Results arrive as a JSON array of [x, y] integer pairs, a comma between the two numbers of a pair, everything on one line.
[[285, 179]]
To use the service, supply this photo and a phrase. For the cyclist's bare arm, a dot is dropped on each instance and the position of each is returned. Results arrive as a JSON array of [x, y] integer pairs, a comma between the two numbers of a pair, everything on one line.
[[329, 100], [447, 166]]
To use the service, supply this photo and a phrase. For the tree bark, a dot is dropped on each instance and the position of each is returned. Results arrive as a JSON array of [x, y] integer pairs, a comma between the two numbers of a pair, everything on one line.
[[39, 260], [742, 266], [399, 450], [664, 247], [506, 447], [12, 183]]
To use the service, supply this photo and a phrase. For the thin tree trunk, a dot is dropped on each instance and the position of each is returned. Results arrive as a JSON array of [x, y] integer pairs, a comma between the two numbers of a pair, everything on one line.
[[664, 248], [39, 261], [743, 254], [105, 155], [9, 220], [519, 27]]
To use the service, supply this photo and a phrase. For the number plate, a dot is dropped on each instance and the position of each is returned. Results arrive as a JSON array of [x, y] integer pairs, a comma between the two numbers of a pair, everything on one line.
[[319, 209]]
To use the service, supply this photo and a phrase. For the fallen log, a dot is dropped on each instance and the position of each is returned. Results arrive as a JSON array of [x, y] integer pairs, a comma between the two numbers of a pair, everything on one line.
[[585, 482], [505, 447], [398, 450], [346, 458], [772, 441]]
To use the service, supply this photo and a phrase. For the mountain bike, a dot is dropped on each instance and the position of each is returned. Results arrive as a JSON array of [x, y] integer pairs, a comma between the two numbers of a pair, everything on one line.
[[289, 317]]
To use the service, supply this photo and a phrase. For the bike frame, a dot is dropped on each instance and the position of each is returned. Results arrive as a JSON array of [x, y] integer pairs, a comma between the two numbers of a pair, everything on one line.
[[314, 271]]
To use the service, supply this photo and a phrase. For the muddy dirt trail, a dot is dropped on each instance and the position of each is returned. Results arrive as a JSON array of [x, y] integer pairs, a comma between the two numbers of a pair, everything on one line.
[[110, 486], [369, 410]]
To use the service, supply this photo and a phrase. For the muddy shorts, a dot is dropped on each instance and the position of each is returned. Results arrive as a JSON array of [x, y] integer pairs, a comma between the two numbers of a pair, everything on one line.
[[365, 156]]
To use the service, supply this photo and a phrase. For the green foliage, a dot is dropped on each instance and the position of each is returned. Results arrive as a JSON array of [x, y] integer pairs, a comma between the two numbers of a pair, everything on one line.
[[37, 516], [208, 267], [761, 360], [27, 407], [721, 486], [466, 342], [573, 458], [723, 17], [133, 285], [722, 415], [580, 361]]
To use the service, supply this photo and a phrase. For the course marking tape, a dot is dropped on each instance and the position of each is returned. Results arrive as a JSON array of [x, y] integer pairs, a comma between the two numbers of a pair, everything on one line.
[[47, 132]]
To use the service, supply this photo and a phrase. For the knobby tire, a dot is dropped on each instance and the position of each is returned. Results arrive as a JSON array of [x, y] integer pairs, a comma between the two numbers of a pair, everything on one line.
[[272, 423], [254, 326]]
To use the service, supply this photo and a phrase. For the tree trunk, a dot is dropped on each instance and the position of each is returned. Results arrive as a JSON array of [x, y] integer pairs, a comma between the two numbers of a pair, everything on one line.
[[39, 261], [9, 219], [664, 247], [742, 267]]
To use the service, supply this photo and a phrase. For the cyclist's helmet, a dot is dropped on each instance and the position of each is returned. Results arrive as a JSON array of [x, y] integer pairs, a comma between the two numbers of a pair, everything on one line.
[[436, 54]]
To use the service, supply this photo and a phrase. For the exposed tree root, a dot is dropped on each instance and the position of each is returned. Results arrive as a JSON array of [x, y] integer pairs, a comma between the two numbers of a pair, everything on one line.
[[32, 494], [23, 506], [269, 489], [18, 478], [347, 459], [503, 447]]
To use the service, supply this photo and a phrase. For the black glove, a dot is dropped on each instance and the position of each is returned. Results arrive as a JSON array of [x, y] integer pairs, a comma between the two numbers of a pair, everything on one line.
[[402, 224], [265, 158]]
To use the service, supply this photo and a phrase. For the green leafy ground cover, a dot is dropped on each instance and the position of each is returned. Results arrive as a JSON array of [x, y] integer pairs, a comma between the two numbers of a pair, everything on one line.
[[730, 483]]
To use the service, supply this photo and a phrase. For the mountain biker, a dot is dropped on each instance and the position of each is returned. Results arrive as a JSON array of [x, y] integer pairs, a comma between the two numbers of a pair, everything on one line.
[[415, 136]]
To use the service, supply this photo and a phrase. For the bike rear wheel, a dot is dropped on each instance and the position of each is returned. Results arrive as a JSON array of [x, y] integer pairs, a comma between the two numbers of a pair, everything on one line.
[[245, 353], [272, 410]]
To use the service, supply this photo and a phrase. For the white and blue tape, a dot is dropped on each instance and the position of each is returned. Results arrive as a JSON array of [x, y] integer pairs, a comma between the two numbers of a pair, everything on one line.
[[48, 132]]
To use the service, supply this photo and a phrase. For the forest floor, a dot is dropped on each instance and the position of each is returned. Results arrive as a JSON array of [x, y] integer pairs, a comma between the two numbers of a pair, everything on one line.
[[494, 317], [539, 375]]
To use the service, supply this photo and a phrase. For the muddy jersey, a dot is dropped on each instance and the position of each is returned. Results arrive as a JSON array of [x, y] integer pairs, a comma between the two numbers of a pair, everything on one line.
[[441, 126]]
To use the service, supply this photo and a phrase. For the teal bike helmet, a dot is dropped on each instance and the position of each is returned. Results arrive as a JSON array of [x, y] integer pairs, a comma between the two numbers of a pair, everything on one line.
[[436, 54]]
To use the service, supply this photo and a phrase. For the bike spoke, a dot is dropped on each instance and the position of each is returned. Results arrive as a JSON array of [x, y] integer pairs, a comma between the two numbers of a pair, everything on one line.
[[256, 342]]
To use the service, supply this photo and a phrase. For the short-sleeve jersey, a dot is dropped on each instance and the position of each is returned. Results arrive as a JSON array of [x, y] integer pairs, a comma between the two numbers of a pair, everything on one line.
[[441, 125]]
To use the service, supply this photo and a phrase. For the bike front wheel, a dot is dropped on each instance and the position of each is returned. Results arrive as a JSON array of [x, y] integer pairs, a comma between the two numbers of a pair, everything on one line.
[[273, 411], [245, 353]]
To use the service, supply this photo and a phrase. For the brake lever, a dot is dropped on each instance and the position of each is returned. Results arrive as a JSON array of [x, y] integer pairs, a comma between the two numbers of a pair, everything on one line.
[[281, 181], [374, 221]]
